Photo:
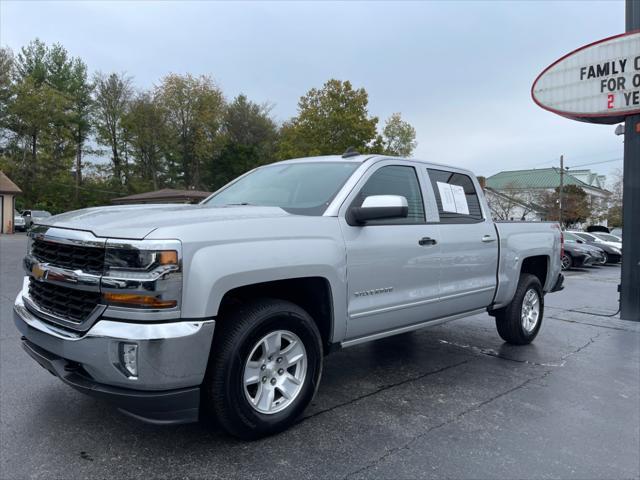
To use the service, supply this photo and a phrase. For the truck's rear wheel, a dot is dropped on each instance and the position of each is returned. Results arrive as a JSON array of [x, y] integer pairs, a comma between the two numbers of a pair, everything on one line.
[[265, 368], [520, 321]]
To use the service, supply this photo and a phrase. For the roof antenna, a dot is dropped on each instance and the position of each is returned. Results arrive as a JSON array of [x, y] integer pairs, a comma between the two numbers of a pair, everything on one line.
[[350, 152]]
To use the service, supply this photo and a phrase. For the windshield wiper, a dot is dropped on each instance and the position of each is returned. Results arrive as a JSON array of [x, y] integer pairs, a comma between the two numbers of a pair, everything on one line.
[[236, 204]]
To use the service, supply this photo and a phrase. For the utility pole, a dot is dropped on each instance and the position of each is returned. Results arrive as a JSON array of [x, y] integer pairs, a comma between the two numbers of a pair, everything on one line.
[[630, 287], [560, 193]]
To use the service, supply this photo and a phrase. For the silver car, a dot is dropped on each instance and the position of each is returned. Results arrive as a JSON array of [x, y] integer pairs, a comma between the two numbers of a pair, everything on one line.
[[34, 216]]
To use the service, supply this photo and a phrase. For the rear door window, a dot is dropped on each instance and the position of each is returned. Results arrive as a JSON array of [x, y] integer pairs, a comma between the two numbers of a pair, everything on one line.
[[456, 197]]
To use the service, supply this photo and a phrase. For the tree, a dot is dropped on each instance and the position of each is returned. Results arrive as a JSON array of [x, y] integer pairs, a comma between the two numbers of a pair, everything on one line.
[[38, 117], [146, 131], [398, 137], [249, 137], [614, 215], [112, 96], [31, 62], [192, 110], [329, 121], [81, 91], [6, 88], [59, 72], [30, 108], [504, 203], [575, 205]]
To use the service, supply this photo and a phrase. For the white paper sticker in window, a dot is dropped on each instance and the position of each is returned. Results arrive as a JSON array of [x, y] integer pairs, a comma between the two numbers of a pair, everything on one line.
[[461, 199], [446, 197]]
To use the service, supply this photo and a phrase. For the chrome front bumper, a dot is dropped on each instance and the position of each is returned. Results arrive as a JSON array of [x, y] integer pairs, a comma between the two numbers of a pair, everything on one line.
[[170, 355]]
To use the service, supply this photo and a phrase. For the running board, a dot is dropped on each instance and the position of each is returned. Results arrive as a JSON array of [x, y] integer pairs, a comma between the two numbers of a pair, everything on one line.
[[409, 328]]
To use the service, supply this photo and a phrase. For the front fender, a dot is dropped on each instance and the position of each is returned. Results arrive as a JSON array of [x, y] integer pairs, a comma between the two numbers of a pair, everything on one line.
[[216, 269]]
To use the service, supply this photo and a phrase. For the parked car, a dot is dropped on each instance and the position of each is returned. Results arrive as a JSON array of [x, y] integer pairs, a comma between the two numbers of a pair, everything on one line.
[[288, 262], [609, 237], [597, 228], [617, 232], [575, 255], [599, 256], [34, 216], [19, 224], [614, 253]]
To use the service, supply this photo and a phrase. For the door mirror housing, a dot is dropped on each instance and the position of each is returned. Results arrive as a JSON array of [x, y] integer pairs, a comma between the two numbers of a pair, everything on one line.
[[378, 207]]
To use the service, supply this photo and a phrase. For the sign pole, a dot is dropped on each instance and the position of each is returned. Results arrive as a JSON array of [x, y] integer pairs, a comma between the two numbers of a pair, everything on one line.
[[561, 191], [630, 287]]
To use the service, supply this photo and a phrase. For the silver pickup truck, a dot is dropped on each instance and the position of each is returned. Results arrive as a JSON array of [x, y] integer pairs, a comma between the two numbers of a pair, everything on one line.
[[229, 306]]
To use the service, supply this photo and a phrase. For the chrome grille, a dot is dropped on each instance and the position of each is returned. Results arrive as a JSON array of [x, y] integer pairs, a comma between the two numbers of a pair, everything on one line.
[[75, 305], [72, 257]]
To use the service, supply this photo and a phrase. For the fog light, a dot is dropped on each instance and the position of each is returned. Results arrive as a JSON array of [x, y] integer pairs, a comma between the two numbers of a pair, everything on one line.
[[129, 358]]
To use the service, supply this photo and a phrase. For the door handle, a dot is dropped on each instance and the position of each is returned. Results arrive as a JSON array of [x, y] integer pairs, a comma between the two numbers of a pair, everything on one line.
[[488, 238], [427, 241]]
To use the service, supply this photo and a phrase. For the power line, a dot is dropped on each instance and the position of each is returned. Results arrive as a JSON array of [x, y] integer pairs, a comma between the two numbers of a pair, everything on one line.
[[555, 160], [597, 163]]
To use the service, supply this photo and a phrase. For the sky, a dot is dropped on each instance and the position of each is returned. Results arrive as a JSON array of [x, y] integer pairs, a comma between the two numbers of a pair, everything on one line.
[[459, 71]]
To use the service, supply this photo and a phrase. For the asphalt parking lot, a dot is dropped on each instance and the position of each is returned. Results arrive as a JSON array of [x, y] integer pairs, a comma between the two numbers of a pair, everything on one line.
[[452, 401]]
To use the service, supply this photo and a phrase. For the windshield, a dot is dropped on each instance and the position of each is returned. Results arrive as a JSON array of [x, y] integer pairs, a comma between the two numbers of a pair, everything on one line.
[[608, 238], [40, 213], [585, 236], [301, 188], [570, 237]]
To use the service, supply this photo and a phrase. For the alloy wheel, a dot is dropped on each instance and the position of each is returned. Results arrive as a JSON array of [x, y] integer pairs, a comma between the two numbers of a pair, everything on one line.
[[275, 371], [530, 313]]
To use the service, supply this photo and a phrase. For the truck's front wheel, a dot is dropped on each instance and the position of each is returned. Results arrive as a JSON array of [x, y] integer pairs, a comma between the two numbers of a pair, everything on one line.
[[265, 368], [520, 321]]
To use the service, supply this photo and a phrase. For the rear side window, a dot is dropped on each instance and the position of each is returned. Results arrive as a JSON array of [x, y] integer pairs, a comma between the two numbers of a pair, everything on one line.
[[456, 197], [395, 180]]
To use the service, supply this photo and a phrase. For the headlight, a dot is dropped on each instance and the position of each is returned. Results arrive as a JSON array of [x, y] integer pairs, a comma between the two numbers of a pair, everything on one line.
[[134, 260], [142, 274], [581, 250]]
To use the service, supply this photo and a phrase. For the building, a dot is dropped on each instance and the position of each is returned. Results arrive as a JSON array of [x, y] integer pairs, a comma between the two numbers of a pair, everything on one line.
[[529, 186], [8, 193], [166, 195]]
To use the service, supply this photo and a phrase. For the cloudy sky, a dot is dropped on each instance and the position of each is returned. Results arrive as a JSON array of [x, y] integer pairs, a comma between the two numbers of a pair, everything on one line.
[[460, 72]]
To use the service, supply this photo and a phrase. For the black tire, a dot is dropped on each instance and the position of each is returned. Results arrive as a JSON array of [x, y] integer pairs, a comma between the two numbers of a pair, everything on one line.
[[508, 319], [235, 337], [606, 258], [567, 261]]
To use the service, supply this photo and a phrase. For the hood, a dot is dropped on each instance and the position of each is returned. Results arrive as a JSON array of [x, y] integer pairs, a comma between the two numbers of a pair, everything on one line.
[[137, 221], [607, 243], [591, 248]]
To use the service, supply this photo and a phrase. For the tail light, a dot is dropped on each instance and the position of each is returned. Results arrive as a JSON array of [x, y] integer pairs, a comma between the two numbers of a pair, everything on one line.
[[557, 225]]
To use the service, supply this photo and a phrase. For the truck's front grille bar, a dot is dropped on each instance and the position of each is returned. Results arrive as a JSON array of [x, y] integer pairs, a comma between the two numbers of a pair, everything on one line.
[[72, 257], [75, 305]]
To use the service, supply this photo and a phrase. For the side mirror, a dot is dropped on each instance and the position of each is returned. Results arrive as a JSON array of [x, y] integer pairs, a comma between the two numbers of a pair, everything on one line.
[[378, 207]]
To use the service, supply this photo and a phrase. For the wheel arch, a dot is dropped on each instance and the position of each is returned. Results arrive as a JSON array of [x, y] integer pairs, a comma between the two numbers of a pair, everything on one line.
[[313, 294], [537, 265]]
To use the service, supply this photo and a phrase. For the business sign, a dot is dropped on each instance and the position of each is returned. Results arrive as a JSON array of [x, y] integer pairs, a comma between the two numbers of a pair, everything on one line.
[[598, 83]]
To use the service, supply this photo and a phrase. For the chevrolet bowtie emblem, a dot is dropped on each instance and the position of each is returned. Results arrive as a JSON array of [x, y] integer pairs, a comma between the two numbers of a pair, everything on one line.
[[38, 273]]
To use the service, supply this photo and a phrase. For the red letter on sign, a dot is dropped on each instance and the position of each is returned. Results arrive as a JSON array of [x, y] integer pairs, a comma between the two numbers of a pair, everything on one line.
[[610, 99]]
